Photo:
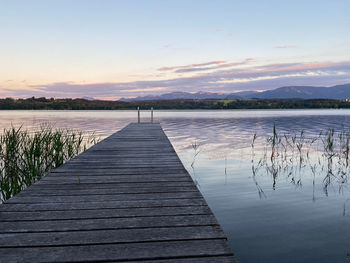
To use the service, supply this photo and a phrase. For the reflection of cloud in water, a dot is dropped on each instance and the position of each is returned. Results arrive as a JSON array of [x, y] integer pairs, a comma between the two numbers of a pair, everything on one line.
[[231, 136]]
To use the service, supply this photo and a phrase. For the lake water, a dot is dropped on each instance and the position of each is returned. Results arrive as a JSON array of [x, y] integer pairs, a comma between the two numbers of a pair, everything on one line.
[[266, 218]]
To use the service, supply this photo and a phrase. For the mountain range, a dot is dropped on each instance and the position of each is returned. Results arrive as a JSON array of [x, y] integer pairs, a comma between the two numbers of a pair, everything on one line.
[[339, 92]]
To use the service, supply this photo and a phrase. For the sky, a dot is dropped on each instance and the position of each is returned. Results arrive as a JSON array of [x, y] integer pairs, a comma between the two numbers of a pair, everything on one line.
[[108, 49]]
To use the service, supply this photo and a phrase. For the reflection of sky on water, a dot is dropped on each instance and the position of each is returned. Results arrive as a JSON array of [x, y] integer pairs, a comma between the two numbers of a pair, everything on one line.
[[224, 137], [291, 223]]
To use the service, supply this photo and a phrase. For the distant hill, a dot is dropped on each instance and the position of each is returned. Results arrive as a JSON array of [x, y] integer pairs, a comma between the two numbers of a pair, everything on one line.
[[180, 95], [306, 92], [242, 95], [339, 92], [88, 98]]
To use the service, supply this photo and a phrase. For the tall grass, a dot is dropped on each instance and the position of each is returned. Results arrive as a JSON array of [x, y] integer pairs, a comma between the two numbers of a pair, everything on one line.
[[26, 157]]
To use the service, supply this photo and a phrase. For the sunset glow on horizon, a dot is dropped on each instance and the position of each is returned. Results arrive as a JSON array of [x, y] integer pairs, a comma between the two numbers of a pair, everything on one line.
[[113, 49]]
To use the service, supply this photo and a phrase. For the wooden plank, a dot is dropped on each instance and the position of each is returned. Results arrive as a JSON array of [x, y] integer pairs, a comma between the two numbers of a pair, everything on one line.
[[106, 223], [125, 171], [74, 180], [147, 158], [136, 167], [126, 199], [118, 252], [216, 259], [93, 172], [19, 199], [110, 236], [107, 191], [120, 185], [115, 161], [34, 207], [104, 213]]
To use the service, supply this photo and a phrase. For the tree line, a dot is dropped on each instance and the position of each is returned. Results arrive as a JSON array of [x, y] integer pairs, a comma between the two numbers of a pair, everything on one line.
[[209, 104]]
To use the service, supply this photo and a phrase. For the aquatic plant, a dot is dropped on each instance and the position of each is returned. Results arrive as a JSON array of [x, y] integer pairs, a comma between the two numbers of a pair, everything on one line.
[[26, 157], [253, 140], [293, 154], [195, 146], [273, 140]]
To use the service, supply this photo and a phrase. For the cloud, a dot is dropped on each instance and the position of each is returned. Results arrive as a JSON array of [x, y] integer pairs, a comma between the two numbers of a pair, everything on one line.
[[146, 89], [191, 65], [292, 67], [194, 69], [206, 66], [224, 79], [259, 78]]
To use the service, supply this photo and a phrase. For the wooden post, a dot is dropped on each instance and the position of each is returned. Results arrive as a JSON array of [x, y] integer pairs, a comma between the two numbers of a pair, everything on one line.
[[151, 114], [138, 114]]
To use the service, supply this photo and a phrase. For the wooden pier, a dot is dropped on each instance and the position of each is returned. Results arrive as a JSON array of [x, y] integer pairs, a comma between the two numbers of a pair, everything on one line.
[[126, 199]]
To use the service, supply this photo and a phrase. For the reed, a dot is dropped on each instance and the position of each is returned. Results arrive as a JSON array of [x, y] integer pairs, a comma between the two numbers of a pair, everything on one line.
[[26, 157], [273, 140], [195, 146], [294, 154]]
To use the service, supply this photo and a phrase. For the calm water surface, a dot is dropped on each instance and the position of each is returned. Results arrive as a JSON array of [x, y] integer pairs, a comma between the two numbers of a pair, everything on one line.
[[264, 223]]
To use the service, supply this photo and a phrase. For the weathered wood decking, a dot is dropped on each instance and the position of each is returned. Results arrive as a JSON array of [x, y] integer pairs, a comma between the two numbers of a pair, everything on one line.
[[135, 203]]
